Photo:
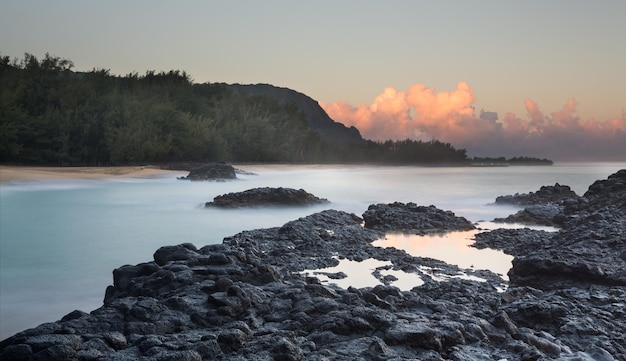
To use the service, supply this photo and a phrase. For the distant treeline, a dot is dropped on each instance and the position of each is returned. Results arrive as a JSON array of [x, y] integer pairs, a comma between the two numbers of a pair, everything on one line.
[[510, 161], [51, 115]]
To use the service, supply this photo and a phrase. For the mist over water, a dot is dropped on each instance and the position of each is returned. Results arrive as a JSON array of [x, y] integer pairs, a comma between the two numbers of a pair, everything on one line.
[[61, 239]]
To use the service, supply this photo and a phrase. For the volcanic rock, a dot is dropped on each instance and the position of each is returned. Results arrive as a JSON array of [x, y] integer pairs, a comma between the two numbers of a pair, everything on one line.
[[591, 247], [572, 283], [251, 297], [411, 218], [211, 171], [544, 207], [248, 298], [266, 196], [539, 214], [546, 194]]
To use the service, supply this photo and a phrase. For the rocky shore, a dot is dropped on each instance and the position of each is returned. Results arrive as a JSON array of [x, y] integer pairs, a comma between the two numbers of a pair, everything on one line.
[[544, 207], [250, 299]]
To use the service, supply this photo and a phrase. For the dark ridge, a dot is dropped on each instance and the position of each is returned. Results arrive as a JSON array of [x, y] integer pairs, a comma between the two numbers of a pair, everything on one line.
[[316, 117]]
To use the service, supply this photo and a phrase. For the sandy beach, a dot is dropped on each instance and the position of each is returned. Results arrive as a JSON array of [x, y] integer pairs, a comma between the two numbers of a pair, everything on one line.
[[22, 173]]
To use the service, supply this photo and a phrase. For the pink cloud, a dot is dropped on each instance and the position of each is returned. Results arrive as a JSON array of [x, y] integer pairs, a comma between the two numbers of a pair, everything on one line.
[[423, 113]]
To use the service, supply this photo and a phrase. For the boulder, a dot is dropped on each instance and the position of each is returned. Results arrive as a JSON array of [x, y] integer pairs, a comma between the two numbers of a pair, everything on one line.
[[539, 214], [411, 218], [211, 171], [266, 196], [544, 207], [546, 194], [515, 242]]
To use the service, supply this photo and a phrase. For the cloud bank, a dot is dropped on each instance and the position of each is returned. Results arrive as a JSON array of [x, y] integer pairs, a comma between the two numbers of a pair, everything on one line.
[[423, 113]]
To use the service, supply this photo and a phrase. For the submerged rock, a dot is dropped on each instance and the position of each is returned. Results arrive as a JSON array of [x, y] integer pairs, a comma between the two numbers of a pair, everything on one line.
[[266, 196]]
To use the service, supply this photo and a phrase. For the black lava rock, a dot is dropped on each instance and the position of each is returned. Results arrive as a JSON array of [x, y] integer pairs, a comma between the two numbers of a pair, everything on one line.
[[266, 196], [211, 171], [250, 299]]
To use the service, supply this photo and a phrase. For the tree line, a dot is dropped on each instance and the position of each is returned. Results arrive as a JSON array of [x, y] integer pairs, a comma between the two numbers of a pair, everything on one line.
[[510, 161], [51, 115]]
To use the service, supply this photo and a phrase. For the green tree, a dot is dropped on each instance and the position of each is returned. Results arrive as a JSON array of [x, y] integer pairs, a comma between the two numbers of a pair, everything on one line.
[[52, 115]]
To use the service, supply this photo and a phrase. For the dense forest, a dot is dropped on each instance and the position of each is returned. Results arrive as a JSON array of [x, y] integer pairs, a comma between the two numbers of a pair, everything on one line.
[[51, 115]]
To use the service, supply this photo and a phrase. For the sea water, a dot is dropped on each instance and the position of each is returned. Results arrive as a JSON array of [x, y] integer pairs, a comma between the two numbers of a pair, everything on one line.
[[61, 239]]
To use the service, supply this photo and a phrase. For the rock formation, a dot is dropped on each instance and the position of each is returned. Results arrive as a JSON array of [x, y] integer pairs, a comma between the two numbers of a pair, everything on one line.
[[211, 171], [411, 218], [248, 298], [572, 283], [545, 194], [266, 196], [544, 207]]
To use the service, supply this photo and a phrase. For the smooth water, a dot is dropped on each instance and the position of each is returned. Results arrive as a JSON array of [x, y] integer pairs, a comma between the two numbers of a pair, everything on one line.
[[61, 239], [452, 247]]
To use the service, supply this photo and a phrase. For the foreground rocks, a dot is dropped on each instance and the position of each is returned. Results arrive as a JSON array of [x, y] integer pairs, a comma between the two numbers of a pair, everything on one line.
[[590, 247], [572, 283], [249, 299], [266, 196]]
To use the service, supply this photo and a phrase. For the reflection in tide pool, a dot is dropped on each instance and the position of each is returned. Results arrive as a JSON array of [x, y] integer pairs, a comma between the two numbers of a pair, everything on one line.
[[452, 248], [352, 273], [455, 247]]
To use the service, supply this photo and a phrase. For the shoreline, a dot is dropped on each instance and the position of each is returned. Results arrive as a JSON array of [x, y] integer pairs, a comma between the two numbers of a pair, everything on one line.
[[232, 299], [10, 173]]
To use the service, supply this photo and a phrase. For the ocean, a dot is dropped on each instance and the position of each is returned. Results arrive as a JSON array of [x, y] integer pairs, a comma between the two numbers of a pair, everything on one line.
[[61, 239]]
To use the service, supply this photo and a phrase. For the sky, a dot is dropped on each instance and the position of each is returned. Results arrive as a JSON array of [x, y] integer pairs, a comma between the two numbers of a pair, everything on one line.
[[554, 72]]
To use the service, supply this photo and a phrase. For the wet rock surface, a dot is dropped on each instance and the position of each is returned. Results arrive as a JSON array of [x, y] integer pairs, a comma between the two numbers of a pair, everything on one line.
[[248, 299], [266, 196], [544, 207], [589, 248], [539, 214], [546, 194], [572, 283], [411, 218]]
